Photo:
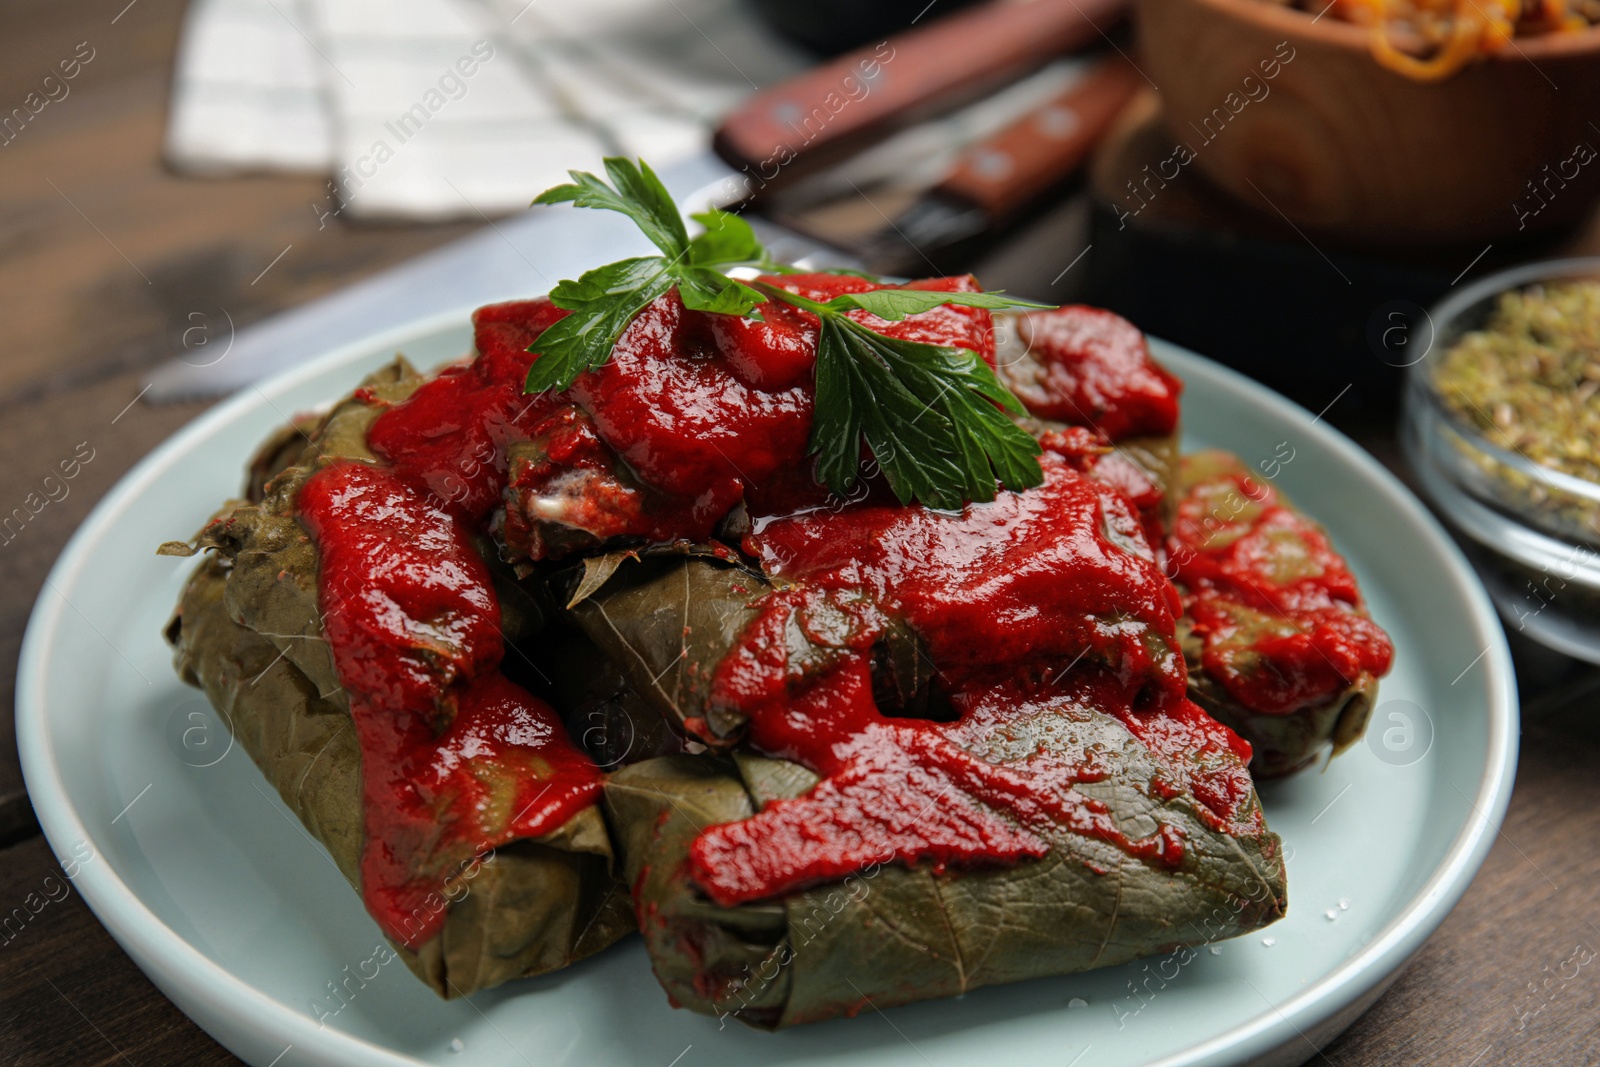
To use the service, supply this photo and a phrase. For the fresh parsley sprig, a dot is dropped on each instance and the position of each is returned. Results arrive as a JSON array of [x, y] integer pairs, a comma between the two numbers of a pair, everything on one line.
[[603, 301], [935, 416]]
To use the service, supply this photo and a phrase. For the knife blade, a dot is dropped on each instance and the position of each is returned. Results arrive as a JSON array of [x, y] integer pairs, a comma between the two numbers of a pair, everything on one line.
[[506, 260]]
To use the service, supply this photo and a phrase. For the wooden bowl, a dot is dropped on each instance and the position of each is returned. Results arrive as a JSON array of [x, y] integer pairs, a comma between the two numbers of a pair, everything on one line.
[[1343, 146]]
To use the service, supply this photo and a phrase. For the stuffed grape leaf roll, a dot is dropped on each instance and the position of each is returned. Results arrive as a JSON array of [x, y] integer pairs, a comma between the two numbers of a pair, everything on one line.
[[1279, 643], [371, 699]]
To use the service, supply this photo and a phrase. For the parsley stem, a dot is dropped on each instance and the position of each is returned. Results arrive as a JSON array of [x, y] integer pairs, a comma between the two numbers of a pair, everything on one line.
[[805, 303]]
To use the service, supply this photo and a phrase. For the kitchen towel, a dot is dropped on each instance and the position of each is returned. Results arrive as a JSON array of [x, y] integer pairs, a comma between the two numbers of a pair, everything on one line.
[[457, 108]]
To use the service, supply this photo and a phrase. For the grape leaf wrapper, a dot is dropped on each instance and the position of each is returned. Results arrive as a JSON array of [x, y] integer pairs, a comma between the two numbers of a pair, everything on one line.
[[248, 633]]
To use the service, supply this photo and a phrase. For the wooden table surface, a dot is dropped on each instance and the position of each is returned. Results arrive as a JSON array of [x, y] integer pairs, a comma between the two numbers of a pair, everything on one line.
[[104, 255]]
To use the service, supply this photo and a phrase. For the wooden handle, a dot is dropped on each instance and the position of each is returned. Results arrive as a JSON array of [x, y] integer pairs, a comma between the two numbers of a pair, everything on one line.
[[1004, 173], [825, 112]]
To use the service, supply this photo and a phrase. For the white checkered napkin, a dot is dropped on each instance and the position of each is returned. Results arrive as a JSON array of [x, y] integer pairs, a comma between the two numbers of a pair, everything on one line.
[[247, 91], [569, 81], [435, 116], [459, 108], [648, 72]]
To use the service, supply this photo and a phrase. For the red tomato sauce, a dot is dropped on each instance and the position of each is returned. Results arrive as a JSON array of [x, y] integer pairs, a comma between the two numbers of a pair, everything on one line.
[[1094, 370], [455, 759], [1250, 565], [695, 415], [1009, 596]]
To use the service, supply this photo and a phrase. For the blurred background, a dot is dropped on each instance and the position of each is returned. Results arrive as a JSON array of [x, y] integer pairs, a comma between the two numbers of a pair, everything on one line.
[[196, 195]]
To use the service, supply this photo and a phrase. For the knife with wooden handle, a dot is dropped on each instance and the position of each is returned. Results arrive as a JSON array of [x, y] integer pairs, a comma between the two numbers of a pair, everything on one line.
[[996, 179], [831, 110], [1004, 173]]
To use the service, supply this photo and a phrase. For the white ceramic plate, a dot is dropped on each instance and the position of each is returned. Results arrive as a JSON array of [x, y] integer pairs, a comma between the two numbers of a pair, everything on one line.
[[224, 901]]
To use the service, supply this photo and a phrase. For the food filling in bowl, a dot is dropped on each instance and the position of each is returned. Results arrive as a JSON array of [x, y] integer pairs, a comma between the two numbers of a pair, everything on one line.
[[1432, 39]]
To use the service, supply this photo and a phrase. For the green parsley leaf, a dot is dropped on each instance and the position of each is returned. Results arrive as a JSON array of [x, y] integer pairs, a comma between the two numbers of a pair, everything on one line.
[[860, 396], [989, 445], [601, 304], [703, 289], [606, 299], [973, 443], [935, 416], [639, 195], [727, 239], [896, 304]]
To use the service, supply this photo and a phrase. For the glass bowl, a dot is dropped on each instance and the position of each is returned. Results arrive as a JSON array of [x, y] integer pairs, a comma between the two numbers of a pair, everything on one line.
[[1533, 531]]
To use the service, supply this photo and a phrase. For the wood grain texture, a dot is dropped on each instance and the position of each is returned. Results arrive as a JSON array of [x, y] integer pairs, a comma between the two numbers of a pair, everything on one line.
[[1293, 115], [68, 994], [1477, 993], [82, 328], [50, 429], [106, 257]]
